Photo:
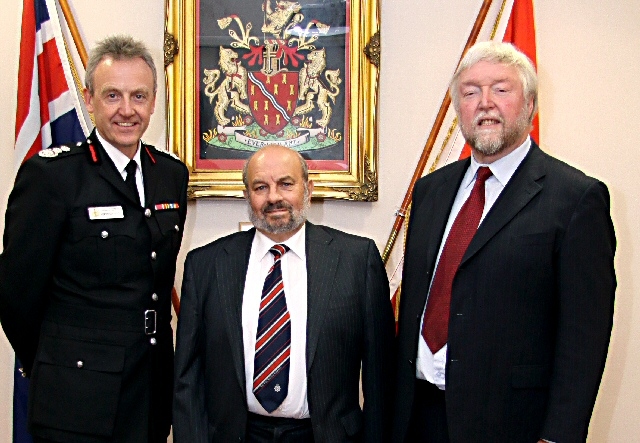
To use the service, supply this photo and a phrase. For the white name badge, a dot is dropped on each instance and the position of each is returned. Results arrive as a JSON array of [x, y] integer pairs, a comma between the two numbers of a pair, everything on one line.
[[105, 212]]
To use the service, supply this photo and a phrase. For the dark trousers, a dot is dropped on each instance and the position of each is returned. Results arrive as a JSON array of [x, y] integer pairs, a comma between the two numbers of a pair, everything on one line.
[[428, 416], [261, 429]]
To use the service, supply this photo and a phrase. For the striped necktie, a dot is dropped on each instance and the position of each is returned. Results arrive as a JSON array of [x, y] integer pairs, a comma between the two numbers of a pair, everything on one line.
[[273, 339]]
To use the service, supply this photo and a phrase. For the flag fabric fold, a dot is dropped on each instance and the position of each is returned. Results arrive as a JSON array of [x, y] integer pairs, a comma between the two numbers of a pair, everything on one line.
[[48, 113]]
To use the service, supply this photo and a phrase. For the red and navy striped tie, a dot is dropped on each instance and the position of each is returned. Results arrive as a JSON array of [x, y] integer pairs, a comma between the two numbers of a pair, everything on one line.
[[273, 339]]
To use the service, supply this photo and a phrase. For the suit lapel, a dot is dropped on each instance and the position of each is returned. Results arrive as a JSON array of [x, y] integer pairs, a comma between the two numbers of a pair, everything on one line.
[[523, 186], [433, 211], [322, 264], [231, 271], [150, 175]]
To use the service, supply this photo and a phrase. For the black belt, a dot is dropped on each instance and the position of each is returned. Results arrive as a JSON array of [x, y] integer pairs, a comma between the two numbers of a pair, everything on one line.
[[278, 421], [148, 321]]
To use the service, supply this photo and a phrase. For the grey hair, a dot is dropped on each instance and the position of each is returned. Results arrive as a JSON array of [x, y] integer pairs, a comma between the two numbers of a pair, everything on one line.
[[503, 53], [118, 47], [303, 166]]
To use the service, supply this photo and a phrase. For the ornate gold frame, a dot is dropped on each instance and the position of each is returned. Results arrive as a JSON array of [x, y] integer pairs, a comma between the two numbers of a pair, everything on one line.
[[359, 182]]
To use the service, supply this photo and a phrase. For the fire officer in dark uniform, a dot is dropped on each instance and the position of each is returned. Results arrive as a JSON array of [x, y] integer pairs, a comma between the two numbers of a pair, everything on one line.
[[91, 238]]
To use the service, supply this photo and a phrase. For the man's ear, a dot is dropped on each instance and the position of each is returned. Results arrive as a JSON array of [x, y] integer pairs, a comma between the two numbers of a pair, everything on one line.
[[88, 100]]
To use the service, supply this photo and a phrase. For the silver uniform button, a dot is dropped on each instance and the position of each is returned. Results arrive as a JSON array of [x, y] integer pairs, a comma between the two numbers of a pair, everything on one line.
[[177, 228], [152, 340], [154, 297], [153, 255], [104, 234], [147, 213], [80, 364]]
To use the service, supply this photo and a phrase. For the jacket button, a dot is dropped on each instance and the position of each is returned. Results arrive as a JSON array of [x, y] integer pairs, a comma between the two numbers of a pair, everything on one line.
[[152, 340], [147, 213], [177, 228], [154, 297], [410, 362], [80, 364], [104, 234], [153, 255]]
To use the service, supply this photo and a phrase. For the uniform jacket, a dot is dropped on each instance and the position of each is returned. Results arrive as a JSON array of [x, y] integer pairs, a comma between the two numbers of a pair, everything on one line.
[[531, 304], [349, 323], [82, 262]]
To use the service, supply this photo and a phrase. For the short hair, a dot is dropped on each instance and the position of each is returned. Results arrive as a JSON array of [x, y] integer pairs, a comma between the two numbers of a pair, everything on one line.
[[303, 166], [503, 53], [118, 47]]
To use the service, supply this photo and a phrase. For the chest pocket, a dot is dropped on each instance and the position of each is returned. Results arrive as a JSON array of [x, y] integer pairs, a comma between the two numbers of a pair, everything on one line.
[[169, 226], [103, 250]]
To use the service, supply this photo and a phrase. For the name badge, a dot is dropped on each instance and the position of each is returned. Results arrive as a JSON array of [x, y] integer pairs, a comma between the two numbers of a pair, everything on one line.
[[105, 212]]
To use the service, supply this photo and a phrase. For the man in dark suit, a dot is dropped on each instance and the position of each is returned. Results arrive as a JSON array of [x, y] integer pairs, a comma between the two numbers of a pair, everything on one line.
[[91, 238], [334, 320], [504, 327]]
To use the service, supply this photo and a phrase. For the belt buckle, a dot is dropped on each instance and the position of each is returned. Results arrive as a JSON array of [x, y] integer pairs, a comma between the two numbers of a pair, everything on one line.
[[150, 320]]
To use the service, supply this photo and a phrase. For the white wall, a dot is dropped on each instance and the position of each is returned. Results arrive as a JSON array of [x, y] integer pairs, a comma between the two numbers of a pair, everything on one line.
[[587, 57]]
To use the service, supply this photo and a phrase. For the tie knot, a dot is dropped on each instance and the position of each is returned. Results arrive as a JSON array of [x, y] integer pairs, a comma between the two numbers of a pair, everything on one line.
[[278, 250], [483, 174], [131, 168]]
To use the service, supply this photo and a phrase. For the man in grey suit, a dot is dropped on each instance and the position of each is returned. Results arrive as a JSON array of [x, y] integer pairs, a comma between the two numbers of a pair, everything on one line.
[[277, 322], [508, 285]]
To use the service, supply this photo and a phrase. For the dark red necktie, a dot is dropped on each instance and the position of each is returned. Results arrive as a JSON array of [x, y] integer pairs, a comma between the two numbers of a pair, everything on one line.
[[273, 339], [435, 326]]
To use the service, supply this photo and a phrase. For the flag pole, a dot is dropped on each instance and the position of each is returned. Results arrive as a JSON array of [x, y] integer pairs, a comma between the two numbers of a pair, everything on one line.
[[73, 29], [426, 152]]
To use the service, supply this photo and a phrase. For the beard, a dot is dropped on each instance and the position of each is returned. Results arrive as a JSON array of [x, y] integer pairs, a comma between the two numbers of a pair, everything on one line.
[[491, 143], [282, 224]]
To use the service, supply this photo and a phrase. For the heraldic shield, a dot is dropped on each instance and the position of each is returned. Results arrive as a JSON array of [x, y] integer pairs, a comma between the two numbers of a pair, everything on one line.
[[272, 99]]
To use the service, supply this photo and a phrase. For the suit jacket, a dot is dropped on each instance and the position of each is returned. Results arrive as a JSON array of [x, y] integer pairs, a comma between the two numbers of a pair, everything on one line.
[[82, 262], [349, 324], [531, 304]]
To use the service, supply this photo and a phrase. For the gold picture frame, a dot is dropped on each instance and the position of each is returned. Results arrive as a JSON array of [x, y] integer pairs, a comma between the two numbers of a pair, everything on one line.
[[332, 89]]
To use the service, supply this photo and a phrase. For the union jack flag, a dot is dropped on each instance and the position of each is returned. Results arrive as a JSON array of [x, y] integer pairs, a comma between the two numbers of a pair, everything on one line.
[[48, 113]]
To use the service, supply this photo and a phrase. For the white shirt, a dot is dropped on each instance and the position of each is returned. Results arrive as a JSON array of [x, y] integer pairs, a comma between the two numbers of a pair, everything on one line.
[[431, 367], [294, 276], [121, 161]]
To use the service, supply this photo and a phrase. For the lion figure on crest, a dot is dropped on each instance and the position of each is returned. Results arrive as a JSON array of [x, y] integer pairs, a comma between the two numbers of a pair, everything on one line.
[[312, 87], [232, 90]]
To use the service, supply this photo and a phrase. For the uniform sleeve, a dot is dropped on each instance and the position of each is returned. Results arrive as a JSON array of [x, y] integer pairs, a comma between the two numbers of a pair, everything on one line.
[[189, 412], [34, 221], [586, 284], [379, 357]]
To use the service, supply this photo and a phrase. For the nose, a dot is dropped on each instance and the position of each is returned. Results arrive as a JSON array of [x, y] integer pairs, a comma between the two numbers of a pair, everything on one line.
[[274, 194], [486, 99], [125, 107]]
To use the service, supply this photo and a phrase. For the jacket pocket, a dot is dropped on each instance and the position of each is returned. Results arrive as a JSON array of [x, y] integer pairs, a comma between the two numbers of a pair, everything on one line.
[[76, 385], [352, 422], [530, 376]]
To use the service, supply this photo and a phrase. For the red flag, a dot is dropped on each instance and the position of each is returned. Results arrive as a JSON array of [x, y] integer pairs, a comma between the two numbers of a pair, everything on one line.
[[521, 32]]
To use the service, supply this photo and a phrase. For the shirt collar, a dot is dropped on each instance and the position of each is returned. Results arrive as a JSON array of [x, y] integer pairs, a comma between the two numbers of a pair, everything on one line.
[[503, 168], [118, 158], [296, 244]]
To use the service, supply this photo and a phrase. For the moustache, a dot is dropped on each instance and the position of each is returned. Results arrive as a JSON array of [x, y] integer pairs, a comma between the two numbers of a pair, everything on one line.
[[269, 207], [487, 115]]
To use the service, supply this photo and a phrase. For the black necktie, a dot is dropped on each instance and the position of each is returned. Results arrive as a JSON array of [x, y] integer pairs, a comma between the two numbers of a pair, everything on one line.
[[131, 179]]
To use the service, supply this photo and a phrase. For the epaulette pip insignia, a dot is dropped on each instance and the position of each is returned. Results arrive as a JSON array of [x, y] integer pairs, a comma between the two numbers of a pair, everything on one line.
[[53, 152]]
